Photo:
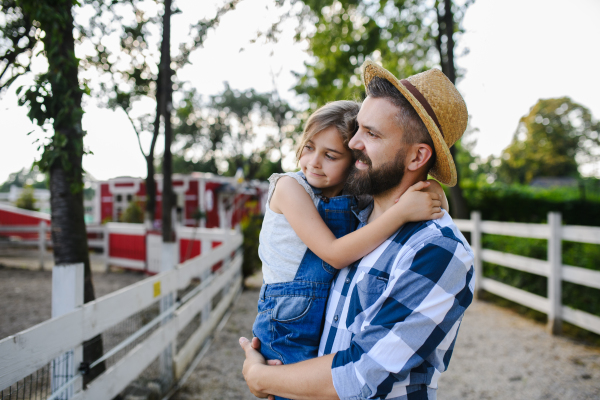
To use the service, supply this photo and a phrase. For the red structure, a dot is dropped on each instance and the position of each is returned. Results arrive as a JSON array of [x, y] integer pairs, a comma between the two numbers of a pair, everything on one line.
[[222, 200]]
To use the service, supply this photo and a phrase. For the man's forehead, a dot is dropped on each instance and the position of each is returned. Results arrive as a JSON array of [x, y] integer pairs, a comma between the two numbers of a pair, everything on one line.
[[377, 112]]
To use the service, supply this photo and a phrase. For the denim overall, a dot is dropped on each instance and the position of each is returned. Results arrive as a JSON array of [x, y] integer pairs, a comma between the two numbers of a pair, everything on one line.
[[291, 314]]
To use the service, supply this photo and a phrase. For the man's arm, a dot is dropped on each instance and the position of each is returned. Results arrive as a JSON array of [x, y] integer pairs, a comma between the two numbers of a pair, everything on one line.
[[310, 379]]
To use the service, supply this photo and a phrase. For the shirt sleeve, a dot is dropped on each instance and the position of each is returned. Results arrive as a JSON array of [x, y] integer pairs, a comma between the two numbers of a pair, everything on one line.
[[407, 335]]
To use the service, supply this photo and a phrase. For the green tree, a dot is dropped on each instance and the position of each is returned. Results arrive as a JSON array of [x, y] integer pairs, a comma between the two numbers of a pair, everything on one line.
[[26, 200], [553, 140], [54, 102], [240, 129], [143, 69], [31, 177], [405, 36]]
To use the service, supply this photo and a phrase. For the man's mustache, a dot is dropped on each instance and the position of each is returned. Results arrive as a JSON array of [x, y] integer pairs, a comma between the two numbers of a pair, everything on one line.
[[362, 157]]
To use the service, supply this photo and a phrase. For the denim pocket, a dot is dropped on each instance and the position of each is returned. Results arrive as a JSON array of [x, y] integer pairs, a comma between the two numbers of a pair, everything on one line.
[[288, 309]]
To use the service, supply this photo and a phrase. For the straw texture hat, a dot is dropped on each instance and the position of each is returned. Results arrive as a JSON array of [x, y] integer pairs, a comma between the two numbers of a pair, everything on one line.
[[439, 105]]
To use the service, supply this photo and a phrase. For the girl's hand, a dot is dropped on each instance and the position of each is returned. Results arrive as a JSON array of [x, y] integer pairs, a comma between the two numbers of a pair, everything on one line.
[[417, 205], [435, 187]]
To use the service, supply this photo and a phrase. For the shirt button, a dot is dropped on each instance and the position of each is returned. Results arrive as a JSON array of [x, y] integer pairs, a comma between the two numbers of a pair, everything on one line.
[[335, 318], [347, 280]]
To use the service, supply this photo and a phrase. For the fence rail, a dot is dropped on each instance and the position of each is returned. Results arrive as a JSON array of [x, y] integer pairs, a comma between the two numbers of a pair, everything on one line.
[[553, 268], [139, 255], [28, 351]]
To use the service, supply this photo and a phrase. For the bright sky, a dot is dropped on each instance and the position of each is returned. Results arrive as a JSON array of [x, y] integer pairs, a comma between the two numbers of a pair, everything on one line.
[[519, 51]]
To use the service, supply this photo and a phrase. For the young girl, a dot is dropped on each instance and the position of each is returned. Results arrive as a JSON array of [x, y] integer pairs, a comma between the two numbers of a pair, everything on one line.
[[308, 233]]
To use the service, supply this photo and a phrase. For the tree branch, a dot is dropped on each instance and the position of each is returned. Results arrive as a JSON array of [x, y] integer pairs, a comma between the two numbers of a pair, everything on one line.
[[137, 133]]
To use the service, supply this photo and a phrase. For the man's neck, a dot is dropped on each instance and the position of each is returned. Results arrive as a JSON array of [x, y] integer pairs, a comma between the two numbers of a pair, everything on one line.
[[383, 201]]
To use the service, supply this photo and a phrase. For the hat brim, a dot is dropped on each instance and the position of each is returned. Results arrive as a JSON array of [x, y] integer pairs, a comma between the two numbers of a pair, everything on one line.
[[444, 169]]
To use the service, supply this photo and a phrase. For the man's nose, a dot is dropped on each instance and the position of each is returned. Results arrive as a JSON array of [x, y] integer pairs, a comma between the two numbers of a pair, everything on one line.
[[356, 143]]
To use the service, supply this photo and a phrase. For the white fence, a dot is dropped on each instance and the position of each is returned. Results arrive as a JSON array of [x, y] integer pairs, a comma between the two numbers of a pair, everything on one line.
[[42, 241], [32, 349], [553, 268], [39, 239]]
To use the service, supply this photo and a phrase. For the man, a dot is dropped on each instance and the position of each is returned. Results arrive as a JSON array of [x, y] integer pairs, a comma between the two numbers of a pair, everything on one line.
[[391, 320]]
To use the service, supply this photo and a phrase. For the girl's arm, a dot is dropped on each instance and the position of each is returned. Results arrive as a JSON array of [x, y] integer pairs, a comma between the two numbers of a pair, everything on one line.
[[291, 200]]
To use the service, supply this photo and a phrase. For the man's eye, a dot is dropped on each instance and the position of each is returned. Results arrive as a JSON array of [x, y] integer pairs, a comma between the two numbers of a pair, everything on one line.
[[371, 134]]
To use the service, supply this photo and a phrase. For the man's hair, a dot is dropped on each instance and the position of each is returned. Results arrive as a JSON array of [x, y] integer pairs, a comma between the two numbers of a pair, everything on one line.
[[414, 130], [340, 114]]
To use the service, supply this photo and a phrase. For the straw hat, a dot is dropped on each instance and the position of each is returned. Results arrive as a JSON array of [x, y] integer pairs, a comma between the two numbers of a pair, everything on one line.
[[439, 105]]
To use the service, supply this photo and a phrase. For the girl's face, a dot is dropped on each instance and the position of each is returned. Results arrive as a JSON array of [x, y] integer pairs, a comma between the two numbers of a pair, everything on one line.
[[326, 161]]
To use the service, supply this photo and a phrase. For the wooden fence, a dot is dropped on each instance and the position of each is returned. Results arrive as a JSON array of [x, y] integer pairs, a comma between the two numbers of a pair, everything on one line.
[[124, 245], [32, 349], [553, 268]]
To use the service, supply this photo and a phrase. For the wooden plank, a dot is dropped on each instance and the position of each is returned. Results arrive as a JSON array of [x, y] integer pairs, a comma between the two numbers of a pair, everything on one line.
[[517, 295], [464, 225], [582, 319], [212, 234], [94, 229], [117, 377], [31, 349], [583, 234], [126, 229], [527, 264], [536, 231], [99, 243], [581, 276], [189, 310], [187, 353], [105, 312], [127, 263], [20, 228]]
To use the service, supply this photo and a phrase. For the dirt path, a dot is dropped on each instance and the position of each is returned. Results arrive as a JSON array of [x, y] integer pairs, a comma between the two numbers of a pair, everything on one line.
[[498, 355], [26, 295]]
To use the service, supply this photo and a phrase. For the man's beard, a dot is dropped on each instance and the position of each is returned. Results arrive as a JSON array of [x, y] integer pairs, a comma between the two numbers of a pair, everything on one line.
[[375, 181]]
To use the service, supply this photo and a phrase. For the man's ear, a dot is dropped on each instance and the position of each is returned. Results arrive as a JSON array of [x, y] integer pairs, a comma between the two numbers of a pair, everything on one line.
[[418, 156]]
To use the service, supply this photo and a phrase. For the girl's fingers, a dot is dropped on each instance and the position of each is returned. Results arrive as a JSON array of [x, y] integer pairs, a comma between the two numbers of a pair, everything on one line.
[[418, 186]]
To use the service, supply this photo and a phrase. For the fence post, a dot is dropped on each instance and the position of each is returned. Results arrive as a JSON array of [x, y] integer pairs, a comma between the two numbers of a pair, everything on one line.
[[168, 262], [67, 295], [105, 247], [206, 244], [476, 243], [555, 278], [42, 243]]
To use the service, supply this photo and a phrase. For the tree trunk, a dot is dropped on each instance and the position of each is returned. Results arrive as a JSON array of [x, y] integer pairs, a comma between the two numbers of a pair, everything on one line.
[[150, 189], [166, 106], [459, 205], [69, 235]]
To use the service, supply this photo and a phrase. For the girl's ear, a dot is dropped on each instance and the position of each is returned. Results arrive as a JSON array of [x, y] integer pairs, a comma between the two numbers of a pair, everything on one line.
[[418, 156]]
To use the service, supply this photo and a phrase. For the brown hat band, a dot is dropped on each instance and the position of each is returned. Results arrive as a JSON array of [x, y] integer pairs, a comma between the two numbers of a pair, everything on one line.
[[421, 99]]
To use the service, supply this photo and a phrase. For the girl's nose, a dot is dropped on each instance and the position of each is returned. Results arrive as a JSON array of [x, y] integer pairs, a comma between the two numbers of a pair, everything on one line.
[[315, 161]]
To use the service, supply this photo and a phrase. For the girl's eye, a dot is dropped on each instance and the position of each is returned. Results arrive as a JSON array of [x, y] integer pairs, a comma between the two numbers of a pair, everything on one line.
[[308, 147], [330, 157]]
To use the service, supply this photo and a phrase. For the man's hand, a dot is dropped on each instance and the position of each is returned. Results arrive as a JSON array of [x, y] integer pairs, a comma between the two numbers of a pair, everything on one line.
[[253, 363]]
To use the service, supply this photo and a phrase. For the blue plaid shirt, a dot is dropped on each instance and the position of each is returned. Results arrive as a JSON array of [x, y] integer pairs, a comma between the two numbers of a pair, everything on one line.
[[392, 319]]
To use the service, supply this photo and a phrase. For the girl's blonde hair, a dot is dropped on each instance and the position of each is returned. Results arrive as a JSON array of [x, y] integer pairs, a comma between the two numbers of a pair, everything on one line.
[[341, 114]]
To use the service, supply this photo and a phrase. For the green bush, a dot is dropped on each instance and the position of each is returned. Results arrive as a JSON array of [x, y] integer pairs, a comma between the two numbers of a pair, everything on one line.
[[27, 199], [133, 213], [251, 230], [582, 255]]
